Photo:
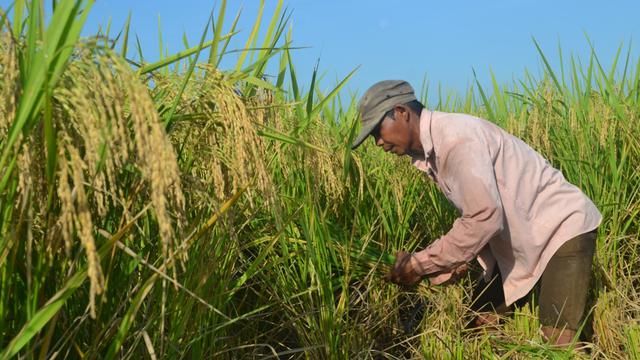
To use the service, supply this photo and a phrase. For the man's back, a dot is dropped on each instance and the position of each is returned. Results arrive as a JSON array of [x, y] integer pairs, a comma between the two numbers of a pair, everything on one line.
[[540, 209]]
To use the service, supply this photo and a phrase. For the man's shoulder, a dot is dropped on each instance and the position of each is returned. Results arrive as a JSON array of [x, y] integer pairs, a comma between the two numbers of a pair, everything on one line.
[[449, 119], [454, 127], [456, 131]]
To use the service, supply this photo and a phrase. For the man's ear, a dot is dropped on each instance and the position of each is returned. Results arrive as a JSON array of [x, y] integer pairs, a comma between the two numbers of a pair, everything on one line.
[[401, 112]]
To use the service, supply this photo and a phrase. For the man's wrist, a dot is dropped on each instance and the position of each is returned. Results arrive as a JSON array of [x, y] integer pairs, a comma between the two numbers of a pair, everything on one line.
[[415, 265]]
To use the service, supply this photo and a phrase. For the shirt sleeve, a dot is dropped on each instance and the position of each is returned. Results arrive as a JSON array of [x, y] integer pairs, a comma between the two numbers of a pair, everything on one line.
[[467, 171]]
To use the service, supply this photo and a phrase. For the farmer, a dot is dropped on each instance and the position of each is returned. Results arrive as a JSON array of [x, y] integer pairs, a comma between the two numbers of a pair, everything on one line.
[[523, 222]]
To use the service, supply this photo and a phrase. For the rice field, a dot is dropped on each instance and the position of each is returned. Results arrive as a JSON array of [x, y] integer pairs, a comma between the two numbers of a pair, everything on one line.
[[178, 209]]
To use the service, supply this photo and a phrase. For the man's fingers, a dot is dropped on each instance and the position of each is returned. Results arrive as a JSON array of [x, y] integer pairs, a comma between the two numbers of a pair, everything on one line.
[[462, 269], [392, 276], [402, 272]]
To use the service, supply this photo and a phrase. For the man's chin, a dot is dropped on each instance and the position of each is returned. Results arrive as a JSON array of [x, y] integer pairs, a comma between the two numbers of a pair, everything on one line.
[[413, 153], [401, 152]]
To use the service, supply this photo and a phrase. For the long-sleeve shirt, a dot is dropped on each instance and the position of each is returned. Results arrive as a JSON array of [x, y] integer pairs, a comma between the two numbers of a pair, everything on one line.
[[516, 209]]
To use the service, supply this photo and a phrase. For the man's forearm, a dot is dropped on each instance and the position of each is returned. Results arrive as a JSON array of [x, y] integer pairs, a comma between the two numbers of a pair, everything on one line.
[[460, 245]]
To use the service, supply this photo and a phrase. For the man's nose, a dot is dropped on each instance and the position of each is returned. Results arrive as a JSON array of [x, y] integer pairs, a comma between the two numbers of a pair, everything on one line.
[[379, 141]]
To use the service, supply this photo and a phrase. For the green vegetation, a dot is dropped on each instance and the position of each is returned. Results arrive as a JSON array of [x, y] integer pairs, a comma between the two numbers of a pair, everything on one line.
[[176, 209]]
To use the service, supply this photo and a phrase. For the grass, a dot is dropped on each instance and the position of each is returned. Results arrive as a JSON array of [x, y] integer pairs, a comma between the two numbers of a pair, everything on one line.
[[177, 209]]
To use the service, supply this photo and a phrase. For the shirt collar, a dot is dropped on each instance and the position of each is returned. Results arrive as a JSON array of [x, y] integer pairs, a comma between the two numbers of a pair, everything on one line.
[[425, 138], [426, 117]]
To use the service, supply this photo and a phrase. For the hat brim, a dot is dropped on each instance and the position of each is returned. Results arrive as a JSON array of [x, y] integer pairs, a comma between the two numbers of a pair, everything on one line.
[[364, 132]]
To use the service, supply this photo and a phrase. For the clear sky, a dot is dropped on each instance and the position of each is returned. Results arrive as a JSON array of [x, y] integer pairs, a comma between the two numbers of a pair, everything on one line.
[[402, 39]]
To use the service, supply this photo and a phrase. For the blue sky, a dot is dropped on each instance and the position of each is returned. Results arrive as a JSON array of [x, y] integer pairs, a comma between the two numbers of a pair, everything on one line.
[[443, 40]]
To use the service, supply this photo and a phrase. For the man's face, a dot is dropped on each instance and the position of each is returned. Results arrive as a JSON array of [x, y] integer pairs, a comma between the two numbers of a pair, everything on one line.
[[394, 135]]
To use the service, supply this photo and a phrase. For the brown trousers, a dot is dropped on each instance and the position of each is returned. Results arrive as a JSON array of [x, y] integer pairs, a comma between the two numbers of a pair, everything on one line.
[[561, 292]]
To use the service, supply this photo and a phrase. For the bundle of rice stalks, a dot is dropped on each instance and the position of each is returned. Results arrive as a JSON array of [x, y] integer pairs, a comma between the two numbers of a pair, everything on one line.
[[366, 257]]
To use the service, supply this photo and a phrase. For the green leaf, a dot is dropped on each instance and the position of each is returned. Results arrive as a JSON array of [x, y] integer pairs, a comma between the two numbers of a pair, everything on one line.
[[311, 89], [18, 10], [185, 78], [275, 135], [177, 57], [217, 32], [333, 93], [548, 66], [487, 104], [125, 39], [252, 37], [227, 40]]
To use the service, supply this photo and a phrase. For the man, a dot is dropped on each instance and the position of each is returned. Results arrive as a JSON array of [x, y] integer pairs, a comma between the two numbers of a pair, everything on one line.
[[522, 221]]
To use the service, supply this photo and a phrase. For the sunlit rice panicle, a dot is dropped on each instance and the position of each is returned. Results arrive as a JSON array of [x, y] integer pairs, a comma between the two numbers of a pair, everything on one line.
[[26, 168], [330, 164], [604, 120], [282, 122], [551, 118], [361, 177], [96, 120], [244, 149], [112, 118], [538, 123], [227, 133], [516, 123], [84, 226], [67, 209], [76, 213], [155, 155], [326, 163], [9, 84]]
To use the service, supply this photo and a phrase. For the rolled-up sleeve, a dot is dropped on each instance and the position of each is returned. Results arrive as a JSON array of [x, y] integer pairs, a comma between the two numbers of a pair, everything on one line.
[[467, 171]]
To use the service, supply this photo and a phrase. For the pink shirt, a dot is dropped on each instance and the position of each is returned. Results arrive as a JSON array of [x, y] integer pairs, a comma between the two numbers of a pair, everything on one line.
[[516, 209]]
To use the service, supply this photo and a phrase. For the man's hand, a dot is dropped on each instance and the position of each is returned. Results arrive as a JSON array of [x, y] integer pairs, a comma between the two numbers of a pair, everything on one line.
[[403, 272]]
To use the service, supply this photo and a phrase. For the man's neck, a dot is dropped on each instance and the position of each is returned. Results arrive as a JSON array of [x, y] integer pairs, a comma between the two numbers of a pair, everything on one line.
[[416, 149]]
